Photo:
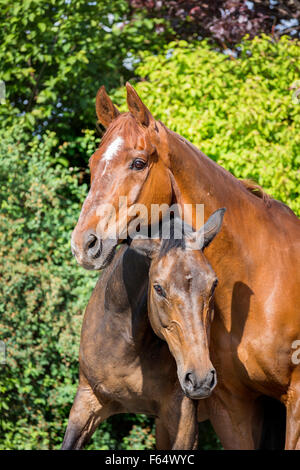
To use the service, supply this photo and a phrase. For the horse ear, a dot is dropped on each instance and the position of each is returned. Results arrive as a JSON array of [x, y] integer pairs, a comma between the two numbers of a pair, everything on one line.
[[105, 109], [148, 247], [201, 239], [137, 107]]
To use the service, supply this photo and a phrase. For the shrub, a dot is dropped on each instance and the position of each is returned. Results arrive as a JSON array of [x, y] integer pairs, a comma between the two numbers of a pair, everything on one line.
[[43, 292]]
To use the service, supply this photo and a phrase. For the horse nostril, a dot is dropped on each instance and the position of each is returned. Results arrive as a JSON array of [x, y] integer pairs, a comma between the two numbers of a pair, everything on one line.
[[213, 379], [91, 241], [93, 246], [190, 380]]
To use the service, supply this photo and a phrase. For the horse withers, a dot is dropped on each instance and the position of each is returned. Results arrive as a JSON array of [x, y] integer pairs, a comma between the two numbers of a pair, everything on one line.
[[124, 366]]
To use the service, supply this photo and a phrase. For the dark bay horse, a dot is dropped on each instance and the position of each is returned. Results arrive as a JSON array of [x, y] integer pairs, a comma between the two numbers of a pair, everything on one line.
[[180, 293], [124, 367], [256, 256]]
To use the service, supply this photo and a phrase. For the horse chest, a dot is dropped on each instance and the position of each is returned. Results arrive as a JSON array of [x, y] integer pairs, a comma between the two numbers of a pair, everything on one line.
[[264, 367], [256, 351]]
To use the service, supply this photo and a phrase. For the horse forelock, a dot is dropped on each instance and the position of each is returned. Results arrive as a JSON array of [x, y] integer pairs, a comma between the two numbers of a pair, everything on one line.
[[126, 126], [176, 227]]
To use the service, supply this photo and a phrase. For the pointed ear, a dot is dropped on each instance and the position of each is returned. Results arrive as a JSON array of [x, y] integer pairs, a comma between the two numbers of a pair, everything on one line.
[[148, 247], [105, 109], [137, 107], [201, 239]]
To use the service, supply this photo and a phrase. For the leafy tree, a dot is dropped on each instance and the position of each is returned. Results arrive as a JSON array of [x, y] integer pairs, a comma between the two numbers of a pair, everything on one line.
[[226, 21], [54, 54]]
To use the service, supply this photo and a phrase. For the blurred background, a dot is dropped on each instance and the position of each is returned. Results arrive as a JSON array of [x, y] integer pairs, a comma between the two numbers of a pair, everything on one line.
[[224, 74]]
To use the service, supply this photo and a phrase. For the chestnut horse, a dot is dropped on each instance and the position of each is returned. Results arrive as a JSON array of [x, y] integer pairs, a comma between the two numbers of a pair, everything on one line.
[[257, 257], [124, 367]]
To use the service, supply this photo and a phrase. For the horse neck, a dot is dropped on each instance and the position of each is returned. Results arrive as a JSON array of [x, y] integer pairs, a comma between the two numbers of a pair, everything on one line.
[[196, 179], [199, 180], [126, 308]]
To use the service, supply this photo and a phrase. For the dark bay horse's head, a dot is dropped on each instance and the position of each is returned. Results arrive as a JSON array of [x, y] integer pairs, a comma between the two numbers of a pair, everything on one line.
[[180, 302], [130, 167]]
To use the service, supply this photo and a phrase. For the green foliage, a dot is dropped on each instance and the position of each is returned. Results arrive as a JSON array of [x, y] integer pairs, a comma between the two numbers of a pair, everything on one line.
[[240, 112], [54, 54], [139, 438], [208, 440], [123, 432]]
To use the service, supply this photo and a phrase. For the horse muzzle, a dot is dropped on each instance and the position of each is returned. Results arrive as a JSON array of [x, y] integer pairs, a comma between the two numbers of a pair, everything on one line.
[[199, 387], [94, 252]]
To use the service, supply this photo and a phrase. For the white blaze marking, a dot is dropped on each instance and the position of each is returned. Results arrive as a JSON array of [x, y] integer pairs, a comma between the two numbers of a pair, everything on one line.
[[111, 151]]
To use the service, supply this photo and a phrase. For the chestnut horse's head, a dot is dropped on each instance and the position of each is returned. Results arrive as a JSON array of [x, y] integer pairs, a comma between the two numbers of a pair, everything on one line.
[[180, 302], [129, 167]]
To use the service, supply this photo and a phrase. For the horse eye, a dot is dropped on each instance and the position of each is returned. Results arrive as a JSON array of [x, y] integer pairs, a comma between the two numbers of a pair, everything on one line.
[[159, 290], [138, 164]]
